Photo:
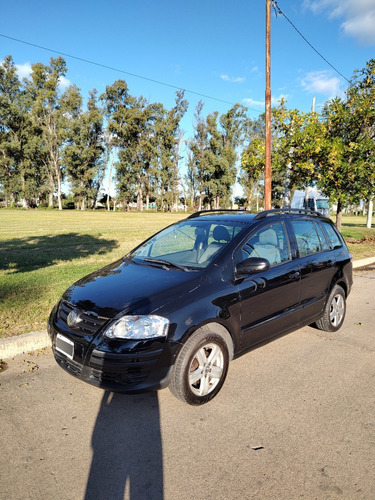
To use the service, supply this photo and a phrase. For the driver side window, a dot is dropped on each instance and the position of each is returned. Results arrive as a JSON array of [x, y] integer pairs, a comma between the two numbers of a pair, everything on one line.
[[270, 242]]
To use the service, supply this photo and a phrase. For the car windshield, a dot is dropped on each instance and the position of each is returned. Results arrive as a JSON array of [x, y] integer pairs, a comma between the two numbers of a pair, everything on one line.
[[322, 204], [187, 245]]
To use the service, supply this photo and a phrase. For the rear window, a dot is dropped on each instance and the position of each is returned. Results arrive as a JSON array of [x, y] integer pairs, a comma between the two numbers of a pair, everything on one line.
[[333, 237], [308, 241]]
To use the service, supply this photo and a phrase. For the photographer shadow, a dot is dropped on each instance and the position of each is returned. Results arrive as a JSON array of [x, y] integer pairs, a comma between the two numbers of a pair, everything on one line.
[[127, 449]]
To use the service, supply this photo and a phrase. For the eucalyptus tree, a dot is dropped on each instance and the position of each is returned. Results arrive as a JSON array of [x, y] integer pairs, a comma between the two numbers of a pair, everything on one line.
[[235, 126], [16, 172], [215, 151], [44, 93], [130, 126], [169, 139], [198, 147], [116, 103], [137, 156], [83, 152]]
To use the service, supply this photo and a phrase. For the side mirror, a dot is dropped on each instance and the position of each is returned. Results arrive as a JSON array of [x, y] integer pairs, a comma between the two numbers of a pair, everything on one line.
[[252, 265]]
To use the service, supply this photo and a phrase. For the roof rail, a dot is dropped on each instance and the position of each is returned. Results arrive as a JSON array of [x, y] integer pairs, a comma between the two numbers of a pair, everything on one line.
[[216, 210], [276, 211]]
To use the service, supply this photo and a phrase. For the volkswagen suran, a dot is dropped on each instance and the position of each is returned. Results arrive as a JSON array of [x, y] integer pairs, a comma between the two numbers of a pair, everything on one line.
[[179, 307]]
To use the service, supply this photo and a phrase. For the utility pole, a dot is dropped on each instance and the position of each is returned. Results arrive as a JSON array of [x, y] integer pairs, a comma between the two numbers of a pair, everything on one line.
[[267, 173]]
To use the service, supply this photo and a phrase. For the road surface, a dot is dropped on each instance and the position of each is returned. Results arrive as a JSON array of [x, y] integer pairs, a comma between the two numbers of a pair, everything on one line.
[[294, 420]]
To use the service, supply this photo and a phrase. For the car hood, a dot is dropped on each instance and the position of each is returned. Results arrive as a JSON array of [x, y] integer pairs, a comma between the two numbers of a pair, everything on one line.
[[125, 286]]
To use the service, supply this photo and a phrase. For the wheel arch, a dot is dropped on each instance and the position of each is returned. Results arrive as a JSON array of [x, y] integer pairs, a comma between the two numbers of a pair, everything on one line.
[[343, 285], [219, 329]]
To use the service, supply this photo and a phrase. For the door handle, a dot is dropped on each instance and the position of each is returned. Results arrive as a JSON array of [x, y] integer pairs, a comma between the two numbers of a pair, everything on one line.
[[295, 275], [261, 282]]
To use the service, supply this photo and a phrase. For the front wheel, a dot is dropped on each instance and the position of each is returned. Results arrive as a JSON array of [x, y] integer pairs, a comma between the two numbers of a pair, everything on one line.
[[334, 311], [201, 368]]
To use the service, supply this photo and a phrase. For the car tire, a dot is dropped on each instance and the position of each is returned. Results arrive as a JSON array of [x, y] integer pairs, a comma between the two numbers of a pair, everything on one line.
[[201, 367], [334, 311]]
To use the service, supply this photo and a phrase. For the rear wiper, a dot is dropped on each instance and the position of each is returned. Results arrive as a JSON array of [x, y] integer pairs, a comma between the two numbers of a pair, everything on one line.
[[166, 264]]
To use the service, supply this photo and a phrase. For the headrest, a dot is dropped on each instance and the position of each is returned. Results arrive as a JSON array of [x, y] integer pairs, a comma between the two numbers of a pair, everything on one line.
[[268, 237], [221, 233]]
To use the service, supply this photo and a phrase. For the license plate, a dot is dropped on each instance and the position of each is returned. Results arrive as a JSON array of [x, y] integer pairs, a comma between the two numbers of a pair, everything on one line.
[[65, 346]]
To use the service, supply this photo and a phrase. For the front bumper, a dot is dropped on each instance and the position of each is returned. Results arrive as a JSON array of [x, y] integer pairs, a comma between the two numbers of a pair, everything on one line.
[[121, 375], [119, 366]]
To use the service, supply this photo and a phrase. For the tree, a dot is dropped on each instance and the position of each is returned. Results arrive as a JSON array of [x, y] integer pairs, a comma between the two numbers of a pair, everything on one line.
[[252, 163], [198, 146], [129, 125], [169, 138], [84, 149], [361, 98], [43, 92], [16, 172], [116, 101], [214, 153], [336, 151]]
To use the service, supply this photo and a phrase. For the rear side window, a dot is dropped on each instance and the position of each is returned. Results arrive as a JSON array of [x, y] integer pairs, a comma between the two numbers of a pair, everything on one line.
[[323, 239], [308, 241], [333, 238]]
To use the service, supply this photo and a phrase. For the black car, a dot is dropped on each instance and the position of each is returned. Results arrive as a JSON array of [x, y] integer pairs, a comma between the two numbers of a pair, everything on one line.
[[199, 293]]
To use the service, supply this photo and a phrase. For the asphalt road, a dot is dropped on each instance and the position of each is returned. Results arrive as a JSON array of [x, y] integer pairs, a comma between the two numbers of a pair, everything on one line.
[[294, 420]]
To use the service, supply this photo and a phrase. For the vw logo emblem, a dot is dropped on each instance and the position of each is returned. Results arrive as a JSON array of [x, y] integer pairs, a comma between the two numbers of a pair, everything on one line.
[[73, 319]]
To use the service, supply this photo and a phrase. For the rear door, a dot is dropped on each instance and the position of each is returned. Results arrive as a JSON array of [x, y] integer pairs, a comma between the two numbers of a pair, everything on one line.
[[317, 267], [269, 300]]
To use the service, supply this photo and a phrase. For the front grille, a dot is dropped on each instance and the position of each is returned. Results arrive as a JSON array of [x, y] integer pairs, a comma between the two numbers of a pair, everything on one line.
[[125, 378], [123, 368], [71, 366], [89, 322]]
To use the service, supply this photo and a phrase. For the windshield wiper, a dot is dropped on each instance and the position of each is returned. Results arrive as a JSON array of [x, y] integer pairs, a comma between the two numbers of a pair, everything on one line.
[[166, 264]]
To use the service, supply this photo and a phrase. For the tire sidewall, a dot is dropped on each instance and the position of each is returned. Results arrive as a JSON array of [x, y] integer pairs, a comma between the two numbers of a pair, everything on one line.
[[337, 290], [187, 354]]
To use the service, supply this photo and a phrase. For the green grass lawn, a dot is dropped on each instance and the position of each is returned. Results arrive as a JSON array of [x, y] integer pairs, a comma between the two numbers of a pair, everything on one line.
[[42, 252], [360, 239]]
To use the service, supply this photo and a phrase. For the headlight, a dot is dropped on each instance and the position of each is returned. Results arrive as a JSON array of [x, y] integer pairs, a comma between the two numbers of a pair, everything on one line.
[[138, 328]]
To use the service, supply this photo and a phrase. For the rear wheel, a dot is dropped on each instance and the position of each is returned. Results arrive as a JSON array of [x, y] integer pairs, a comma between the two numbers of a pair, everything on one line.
[[201, 368], [334, 311]]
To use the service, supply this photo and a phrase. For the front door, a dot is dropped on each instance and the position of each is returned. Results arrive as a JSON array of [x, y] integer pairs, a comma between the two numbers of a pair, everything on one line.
[[269, 300]]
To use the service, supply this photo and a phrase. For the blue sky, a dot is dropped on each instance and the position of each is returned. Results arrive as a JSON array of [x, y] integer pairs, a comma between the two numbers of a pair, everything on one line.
[[211, 47]]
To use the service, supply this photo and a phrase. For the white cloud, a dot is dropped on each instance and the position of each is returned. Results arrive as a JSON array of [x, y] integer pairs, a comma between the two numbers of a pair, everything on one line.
[[23, 70], [64, 83], [322, 82], [274, 100], [252, 102], [232, 79], [358, 16]]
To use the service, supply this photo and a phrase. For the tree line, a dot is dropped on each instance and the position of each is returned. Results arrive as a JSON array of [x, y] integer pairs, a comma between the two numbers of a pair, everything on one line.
[[48, 136]]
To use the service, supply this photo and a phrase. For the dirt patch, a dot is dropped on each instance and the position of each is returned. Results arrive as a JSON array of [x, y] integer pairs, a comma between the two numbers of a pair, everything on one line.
[[365, 239]]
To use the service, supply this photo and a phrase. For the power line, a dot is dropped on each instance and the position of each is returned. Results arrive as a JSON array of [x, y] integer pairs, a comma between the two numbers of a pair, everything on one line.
[[111, 68], [279, 11]]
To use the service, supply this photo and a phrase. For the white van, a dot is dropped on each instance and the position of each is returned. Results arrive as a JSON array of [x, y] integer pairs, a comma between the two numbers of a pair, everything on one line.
[[312, 199]]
